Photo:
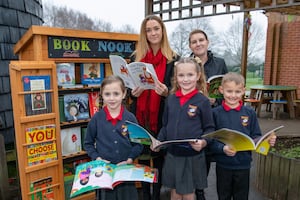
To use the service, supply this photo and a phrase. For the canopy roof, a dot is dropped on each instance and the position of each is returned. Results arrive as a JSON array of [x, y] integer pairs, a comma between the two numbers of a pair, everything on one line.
[[171, 10]]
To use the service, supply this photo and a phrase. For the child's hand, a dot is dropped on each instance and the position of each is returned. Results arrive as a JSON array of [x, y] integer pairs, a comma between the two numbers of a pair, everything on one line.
[[152, 149], [99, 158], [229, 151], [199, 144], [212, 101], [126, 162], [272, 140]]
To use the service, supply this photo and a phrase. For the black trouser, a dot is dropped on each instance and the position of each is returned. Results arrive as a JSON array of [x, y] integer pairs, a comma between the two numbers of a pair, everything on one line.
[[158, 164], [232, 183]]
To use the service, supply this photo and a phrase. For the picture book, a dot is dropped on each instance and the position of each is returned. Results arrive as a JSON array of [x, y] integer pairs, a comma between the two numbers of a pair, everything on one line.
[[83, 133], [92, 73], [94, 102], [99, 174], [213, 84], [135, 74], [76, 106], [41, 145], [140, 135], [70, 140], [38, 100], [242, 142], [42, 189], [65, 75]]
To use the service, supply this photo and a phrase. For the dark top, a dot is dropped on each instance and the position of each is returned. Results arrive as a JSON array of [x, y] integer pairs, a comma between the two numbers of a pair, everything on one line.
[[189, 121], [108, 141], [244, 121]]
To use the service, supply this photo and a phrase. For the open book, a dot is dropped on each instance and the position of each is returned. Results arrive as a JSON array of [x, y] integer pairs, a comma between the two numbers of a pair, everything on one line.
[[213, 84], [140, 135], [242, 142], [98, 174], [135, 74]]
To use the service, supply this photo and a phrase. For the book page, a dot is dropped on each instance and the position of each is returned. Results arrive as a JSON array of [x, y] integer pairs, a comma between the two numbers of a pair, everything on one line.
[[232, 138], [119, 68], [143, 74]]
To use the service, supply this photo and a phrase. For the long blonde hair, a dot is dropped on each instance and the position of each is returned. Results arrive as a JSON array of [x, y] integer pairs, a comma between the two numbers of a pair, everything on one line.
[[201, 83], [142, 46]]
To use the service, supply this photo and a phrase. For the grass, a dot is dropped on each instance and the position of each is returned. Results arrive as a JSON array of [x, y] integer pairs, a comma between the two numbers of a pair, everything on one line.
[[250, 80]]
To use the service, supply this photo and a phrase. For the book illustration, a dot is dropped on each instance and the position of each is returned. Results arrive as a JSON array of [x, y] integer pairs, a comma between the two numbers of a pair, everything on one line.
[[70, 140], [92, 73], [41, 146], [76, 106], [213, 84], [65, 75], [242, 142], [99, 174], [39, 101], [140, 135], [94, 102], [41, 189], [135, 74]]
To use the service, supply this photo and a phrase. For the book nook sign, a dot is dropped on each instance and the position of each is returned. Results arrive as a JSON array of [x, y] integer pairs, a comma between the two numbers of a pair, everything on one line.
[[69, 47]]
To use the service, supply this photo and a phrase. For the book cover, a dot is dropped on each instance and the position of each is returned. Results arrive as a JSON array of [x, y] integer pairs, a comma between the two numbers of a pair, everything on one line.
[[140, 135], [62, 117], [94, 102], [135, 74], [65, 75], [99, 174], [76, 106], [42, 189], [70, 140], [242, 142], [38, 101], [213, 84], [92, 73], [41, 145]]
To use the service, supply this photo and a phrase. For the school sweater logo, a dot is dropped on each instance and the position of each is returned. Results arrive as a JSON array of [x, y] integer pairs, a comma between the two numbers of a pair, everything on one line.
[[245, 120], [124, 130], [192, 110]]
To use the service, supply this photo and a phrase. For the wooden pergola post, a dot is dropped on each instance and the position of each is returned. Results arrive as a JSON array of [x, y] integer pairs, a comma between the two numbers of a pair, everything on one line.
[[244, 58]]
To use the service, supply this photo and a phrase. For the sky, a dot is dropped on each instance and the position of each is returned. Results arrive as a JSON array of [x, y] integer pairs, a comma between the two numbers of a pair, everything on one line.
[[132, 12]]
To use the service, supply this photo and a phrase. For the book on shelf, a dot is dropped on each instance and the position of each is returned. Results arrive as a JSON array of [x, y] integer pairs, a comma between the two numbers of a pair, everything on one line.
[[37, 101], [94, 102], [76, 106], [42, 189], [92, 73], [135, 74], [61, 107], [242, 142], [213, 84], [98, 174], [139, 134], [65, 75], [83, 133], [70, 140], [41, 145]]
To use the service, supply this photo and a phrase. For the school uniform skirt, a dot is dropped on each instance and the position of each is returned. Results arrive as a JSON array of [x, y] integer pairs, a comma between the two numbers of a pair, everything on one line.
[[185, 174]]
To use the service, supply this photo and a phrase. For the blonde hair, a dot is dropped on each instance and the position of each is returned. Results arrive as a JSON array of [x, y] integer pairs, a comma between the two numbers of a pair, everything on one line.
[[201, 83], [142, 46], [233, 77]]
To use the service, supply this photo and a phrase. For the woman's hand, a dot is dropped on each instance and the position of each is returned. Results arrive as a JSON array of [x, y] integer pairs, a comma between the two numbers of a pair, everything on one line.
[[272, 139], [161, 89], [229, 151], [136, 92], [199, 144]]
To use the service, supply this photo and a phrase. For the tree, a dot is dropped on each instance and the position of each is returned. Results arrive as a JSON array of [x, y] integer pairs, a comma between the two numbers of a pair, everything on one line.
[[179, 40], [68, 18], [232, 42]]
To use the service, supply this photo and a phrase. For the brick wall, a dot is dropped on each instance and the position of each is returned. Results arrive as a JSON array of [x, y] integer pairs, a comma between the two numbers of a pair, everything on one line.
[[282, 61]]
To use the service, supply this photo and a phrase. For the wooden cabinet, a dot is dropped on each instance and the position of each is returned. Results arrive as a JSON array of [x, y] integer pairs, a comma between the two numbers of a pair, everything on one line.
[[40, 50]]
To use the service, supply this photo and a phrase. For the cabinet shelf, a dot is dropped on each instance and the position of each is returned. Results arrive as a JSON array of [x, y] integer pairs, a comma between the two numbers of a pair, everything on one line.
[[73, 123], [62, 91], [75, 155]]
